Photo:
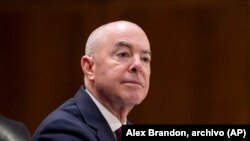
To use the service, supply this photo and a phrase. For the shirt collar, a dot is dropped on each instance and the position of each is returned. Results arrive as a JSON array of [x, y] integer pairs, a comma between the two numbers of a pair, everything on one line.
[[112, 120]]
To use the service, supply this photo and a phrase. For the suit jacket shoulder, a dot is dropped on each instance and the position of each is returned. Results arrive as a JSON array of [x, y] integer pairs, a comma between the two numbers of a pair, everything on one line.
[[77, 119]]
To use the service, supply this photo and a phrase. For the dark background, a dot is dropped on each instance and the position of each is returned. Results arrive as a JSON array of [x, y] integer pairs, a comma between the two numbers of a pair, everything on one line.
[[200, 62]]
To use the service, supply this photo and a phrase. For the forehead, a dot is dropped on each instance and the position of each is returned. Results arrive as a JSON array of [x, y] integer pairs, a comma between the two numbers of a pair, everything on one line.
[[128, 35]]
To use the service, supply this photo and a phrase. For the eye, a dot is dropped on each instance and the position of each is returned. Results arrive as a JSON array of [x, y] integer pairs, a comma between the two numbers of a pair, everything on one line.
[[146, 59], [123, 54]]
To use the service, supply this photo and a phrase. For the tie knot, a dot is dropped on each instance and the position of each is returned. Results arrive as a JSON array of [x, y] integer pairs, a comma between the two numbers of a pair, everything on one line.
[[118, 134]]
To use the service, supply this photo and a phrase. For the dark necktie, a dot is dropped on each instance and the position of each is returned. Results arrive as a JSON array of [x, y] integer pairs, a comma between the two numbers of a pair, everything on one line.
[[118, 134]]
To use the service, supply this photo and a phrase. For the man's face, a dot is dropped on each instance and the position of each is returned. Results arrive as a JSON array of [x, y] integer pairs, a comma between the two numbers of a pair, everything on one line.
[[122, 67]]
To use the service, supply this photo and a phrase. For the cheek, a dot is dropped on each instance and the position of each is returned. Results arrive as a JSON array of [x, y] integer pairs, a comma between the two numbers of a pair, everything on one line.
[[147, 80], [109, 73], [146, 75]]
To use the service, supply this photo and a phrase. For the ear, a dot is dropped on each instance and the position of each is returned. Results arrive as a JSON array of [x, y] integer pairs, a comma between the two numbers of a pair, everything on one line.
[[87, 65]]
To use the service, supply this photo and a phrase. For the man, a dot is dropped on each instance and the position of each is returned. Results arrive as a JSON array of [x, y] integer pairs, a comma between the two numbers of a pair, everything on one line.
[[116, 68]]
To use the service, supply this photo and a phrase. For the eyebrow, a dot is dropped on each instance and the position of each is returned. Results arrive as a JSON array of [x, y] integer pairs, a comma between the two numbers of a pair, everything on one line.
[[128, 45], [123, 44]]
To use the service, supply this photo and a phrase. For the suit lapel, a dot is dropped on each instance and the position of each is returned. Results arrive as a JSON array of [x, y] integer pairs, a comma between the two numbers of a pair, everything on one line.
[[93, 116]]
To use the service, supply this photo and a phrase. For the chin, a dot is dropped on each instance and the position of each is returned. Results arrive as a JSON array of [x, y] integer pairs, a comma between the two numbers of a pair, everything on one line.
[[137, 102], [135, 99]]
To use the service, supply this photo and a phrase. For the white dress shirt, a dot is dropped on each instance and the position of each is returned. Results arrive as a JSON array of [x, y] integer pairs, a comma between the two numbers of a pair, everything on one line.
[[112, 120]]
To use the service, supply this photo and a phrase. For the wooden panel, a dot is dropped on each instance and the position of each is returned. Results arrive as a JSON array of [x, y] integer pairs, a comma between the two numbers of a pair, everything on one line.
[[199, 67]]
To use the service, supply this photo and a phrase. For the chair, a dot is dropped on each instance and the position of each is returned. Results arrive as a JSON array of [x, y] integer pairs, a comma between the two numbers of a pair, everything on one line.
[[11, 130]]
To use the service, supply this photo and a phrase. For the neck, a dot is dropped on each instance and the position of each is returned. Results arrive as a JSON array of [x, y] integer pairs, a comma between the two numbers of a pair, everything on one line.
[[119, 110], [116, 107]]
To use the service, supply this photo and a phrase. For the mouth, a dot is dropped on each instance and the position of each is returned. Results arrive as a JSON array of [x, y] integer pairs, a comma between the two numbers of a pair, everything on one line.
[[132, 82]]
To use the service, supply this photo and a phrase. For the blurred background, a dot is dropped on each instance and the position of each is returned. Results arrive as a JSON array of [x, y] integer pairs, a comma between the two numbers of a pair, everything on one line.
[[200, 62]]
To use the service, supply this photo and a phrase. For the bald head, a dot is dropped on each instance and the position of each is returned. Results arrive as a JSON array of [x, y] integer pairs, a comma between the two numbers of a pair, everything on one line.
[[98, 35]]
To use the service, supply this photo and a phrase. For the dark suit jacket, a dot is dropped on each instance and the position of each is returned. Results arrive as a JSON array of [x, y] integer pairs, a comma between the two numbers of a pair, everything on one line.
[[78, 119], [12, 130]]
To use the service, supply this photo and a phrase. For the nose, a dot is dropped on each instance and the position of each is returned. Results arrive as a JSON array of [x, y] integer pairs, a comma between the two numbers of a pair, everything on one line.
[[136, 65]]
